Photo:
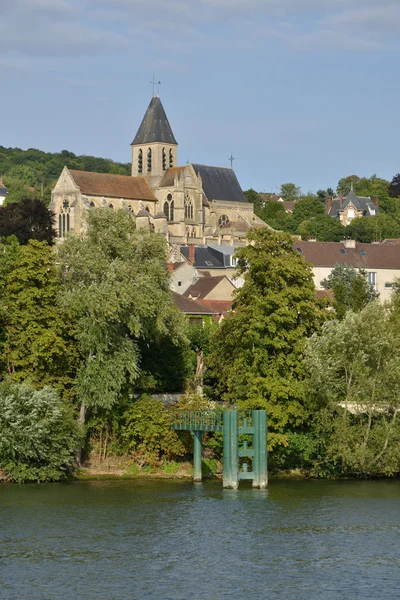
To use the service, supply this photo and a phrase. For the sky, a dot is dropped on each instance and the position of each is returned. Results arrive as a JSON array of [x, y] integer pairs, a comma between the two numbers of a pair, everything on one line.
[[302, 91]]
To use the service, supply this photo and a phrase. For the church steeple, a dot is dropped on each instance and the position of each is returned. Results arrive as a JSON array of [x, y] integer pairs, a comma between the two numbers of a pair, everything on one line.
[[155, 126], [154, 148]]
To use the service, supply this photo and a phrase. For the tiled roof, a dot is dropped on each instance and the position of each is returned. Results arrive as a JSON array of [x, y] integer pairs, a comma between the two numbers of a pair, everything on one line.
[[367, 256], [169, 177], [220, 183], [113, 186], [191, 307], [219, 306], [361, 203], [203, 287], [155, 126]]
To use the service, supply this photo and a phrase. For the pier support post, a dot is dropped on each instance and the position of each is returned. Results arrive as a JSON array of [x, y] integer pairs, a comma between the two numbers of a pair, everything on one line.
[[197, 455], [259, 418], [231, 466]]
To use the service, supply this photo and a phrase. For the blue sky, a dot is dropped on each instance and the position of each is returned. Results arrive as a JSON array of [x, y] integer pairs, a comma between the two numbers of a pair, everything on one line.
[[297, 90]]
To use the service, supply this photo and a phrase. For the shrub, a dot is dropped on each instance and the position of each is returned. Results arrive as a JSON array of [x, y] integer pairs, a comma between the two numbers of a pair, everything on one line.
[[38, 435], [147, 432]]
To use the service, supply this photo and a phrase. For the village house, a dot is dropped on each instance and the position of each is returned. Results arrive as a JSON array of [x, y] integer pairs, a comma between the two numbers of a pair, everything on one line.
[[349, 207], [380, 261]]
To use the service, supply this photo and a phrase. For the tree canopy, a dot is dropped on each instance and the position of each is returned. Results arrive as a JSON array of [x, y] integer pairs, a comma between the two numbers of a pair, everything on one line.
[[257, 352], [27, 219]]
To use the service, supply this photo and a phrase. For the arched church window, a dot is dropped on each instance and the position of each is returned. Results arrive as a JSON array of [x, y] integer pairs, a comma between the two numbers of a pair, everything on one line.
[[148, 209], [149, 160], [188, 204], [65, 204], [92, 205], [169, 197], [140, 161], [59, 226], [171, 211], [171, 159], [67, 222], [164, 160], [130, 209], [166, 210]]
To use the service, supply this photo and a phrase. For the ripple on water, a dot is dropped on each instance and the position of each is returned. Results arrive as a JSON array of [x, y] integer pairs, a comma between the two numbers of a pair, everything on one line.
[[175, 540]]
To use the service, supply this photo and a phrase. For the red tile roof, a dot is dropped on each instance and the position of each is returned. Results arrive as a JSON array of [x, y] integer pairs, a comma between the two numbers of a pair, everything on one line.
[[219, 306], [203, 287], [191, 307], [169, 177], [367, 256], [113, 186]]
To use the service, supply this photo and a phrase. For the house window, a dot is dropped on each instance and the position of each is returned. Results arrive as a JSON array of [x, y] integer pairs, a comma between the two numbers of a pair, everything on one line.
[[179, 283], [372, 279], [188, 203], [389, 284], [140, 161]]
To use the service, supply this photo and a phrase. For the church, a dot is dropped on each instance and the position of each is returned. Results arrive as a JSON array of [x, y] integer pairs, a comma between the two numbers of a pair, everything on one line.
[[196, 204]]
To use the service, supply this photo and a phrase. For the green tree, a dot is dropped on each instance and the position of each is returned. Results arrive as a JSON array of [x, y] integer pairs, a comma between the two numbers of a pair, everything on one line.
[[322, 228], [257, 352], [37, 434], [275, 215], [377, 228], [255, 198], [354, 367], [36, 345], [27, 219], [305, 209], [350, 288], [115, 295], [290, 191]]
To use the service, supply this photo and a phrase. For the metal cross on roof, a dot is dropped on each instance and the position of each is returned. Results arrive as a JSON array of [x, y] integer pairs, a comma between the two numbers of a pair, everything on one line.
[[155, 83], [231, 158]]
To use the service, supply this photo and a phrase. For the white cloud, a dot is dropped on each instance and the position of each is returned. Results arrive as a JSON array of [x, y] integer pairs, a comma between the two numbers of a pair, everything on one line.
[[92, 27]]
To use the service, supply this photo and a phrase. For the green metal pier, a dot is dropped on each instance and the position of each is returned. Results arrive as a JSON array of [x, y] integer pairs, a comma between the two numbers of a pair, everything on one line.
[[232, 423]]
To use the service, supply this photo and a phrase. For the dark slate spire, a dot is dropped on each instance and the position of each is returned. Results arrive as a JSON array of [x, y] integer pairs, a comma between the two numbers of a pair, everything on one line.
[[155, 126]]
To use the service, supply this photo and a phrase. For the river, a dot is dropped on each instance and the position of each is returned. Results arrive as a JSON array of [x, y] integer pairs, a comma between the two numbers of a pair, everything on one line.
[[175, 540]]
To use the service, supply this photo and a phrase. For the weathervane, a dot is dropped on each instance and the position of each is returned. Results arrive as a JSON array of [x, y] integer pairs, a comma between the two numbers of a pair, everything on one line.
[[231, 158], [155, 83]]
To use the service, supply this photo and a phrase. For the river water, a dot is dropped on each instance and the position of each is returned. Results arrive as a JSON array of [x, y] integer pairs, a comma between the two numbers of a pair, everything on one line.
[[174, 540]]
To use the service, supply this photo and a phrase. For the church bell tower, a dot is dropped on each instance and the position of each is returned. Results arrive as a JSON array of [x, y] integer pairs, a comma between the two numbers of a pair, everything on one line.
[[154, 148]]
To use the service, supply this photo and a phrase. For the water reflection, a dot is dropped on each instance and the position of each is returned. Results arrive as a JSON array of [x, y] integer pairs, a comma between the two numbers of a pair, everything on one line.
[[175, 540]]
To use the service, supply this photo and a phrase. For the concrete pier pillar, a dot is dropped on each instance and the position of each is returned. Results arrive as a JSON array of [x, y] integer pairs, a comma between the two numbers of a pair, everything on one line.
[[197, 455]]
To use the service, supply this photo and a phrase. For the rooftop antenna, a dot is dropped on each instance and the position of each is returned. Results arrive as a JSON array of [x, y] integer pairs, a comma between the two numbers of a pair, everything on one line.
[[231, 158]]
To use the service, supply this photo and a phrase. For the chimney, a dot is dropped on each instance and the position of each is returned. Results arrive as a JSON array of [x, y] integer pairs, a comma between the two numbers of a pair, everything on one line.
[[349, 243], [192, 253], [170, 266], [328, 205], [375, 200]]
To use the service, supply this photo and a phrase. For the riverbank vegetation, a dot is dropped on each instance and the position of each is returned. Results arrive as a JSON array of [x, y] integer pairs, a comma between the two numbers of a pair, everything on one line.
[[89, 335]]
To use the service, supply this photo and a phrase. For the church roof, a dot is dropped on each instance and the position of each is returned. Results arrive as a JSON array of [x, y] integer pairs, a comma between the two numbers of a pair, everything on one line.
[[113, 186], [220, 183], [169, 177], [155, 126]]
